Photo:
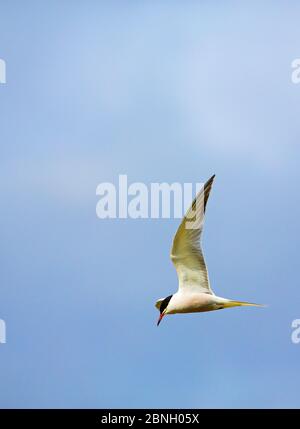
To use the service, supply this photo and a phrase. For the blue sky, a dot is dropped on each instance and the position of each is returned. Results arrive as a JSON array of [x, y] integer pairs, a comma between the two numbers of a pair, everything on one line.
[[163, 92]]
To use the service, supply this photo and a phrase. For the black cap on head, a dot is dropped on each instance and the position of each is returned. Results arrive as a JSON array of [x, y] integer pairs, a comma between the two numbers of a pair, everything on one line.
[[165, 303], [162, 308]]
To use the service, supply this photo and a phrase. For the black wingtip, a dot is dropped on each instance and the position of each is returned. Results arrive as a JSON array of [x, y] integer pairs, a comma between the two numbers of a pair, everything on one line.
[[207, 189], [210, 180]]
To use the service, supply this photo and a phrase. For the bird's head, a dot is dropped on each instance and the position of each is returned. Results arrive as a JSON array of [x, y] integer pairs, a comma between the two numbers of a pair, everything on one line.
[[163, 308]]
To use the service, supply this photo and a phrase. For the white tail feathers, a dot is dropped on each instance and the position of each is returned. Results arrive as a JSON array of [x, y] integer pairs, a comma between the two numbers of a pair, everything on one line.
[[230, 303]]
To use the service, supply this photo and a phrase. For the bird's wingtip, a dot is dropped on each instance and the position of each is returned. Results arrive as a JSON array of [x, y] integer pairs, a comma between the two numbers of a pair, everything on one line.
[[210, 180]]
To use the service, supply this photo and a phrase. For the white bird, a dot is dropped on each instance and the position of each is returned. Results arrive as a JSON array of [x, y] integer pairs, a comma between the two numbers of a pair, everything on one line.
[[194, 293]]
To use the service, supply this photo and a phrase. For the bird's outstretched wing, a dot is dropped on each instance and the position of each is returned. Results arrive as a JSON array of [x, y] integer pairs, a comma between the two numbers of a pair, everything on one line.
[[186, 253]]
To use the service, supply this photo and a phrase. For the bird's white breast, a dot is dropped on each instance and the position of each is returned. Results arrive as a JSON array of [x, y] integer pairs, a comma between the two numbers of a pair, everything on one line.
[[184, 302]]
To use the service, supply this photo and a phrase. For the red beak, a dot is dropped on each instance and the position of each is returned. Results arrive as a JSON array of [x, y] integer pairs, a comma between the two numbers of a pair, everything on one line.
[[160, 318]]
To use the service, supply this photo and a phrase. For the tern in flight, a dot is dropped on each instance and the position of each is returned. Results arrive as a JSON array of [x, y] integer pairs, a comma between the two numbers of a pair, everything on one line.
[[194, 294]]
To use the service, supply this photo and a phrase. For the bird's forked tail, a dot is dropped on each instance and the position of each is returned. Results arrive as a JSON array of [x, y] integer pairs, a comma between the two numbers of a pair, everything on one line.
[[230, 303]]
